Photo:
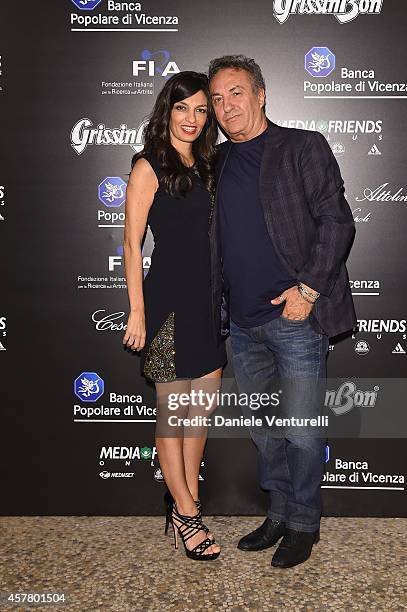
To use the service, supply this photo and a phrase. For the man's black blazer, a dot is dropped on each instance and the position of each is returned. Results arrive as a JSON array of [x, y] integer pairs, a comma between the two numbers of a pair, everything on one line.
[[308, 220]]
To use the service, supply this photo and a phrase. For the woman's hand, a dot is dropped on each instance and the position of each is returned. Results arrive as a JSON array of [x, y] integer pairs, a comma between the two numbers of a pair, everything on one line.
[[135, 335]]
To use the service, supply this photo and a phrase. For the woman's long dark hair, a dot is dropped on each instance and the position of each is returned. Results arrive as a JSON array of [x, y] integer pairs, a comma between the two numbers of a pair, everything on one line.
[[176, 177]]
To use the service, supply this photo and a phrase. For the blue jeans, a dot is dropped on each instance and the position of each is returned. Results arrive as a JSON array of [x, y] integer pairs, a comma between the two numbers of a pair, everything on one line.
[[291, 466]]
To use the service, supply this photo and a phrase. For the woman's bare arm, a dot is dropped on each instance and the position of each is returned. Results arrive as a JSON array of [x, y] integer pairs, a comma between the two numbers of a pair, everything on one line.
[[140, 192]]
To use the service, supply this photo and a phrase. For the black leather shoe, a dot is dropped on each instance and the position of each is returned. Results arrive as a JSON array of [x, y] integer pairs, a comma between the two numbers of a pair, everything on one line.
[[294, 548], [264, 536]]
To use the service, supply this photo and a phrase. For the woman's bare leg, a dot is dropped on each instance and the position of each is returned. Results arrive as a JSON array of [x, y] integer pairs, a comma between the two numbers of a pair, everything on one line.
[[171, 454], [195, 437]]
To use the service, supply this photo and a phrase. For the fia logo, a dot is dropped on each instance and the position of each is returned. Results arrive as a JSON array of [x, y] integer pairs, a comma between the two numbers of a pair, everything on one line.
[[155, 63]]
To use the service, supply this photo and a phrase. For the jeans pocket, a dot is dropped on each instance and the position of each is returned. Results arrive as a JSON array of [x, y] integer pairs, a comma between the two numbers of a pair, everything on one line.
[[294, 320]]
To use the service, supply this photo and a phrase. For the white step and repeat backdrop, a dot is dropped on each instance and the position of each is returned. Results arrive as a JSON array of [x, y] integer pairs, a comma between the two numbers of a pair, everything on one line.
[[78, 78]]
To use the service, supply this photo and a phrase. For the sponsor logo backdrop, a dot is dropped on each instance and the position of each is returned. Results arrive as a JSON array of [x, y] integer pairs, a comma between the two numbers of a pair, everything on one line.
[[77, 81]]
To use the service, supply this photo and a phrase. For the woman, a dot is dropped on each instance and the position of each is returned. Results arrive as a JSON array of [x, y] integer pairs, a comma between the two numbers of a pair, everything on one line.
[[171, 188]]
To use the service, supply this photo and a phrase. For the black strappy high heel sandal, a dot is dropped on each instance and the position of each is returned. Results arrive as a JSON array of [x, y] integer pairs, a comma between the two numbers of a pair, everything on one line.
[[187, 527], [169, 503]]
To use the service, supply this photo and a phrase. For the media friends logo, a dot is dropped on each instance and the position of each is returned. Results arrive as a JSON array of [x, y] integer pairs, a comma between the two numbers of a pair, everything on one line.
[[344, 10], [127, 453], [319, 62], [328, 127]]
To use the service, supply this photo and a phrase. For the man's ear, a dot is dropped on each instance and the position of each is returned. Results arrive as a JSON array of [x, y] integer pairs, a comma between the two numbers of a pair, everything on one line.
[[262, 97]]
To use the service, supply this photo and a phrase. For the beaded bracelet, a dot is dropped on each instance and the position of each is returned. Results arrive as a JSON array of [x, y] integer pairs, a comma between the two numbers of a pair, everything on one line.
[[306, 294]]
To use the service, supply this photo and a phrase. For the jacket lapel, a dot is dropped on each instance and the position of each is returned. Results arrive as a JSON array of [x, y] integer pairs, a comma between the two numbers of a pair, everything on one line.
[[270, 163], [273, 152]]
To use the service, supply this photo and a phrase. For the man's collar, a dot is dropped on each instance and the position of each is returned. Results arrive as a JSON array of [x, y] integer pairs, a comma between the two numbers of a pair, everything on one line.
[[273, 132]]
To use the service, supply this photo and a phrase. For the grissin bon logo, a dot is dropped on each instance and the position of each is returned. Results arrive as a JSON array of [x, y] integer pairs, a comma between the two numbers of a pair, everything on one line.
[[83, 135], [344, 10]]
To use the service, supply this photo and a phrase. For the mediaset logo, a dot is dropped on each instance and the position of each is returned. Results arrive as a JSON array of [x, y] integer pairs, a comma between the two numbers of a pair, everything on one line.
[[348, 396], [344, 10], [155, 63], [106, 475], [83, 135]]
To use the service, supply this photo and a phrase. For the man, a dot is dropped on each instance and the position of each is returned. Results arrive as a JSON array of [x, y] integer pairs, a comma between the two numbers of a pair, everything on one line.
[[282, 229]]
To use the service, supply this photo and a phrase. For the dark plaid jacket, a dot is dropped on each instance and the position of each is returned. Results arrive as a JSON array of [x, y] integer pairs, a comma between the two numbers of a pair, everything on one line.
[[309, 222]]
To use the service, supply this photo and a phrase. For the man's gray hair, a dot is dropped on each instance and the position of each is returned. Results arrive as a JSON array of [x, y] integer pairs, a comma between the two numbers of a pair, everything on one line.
[[239, 62]]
